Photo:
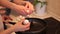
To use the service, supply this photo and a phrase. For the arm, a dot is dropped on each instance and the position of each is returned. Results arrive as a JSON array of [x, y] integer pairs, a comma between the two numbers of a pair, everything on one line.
[[7, 3], [8, 31], [17, 27], [18, 8], [19, 2], [26, 4]]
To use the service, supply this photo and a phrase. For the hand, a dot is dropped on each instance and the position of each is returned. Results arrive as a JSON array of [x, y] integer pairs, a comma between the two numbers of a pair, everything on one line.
[[27, 5], [21, 9], [30, 7], [20, 27]]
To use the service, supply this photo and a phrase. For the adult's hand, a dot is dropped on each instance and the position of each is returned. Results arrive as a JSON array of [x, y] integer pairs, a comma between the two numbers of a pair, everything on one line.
[[29, 6], [26, 4], [20, 9]]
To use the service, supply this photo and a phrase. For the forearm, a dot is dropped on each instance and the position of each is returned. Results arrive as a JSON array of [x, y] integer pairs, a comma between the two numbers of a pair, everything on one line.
[[7, 4], [7, 31], [20, 2]]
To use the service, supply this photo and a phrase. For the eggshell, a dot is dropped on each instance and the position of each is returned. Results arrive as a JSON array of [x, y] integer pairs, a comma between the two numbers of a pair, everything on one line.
[[26, 22]]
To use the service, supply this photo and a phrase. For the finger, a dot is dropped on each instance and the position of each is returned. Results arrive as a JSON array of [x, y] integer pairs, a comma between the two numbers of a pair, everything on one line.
[[26, 6], [28, 28], [23, 12], [31, 8], [26, 11]]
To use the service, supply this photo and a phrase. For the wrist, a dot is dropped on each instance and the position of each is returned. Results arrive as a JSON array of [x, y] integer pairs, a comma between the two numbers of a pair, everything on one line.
[[13, 6], [8, 31], [11, 29]]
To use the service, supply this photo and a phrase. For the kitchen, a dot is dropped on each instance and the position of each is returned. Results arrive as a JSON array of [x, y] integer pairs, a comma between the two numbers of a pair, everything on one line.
[[52, 16]]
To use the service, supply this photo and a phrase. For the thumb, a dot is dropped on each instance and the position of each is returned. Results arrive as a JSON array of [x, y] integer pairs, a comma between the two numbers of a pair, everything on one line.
[[26, 6]]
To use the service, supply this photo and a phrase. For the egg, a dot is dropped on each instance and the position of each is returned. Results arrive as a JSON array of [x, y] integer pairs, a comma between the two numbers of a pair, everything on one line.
[[26, 22]]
